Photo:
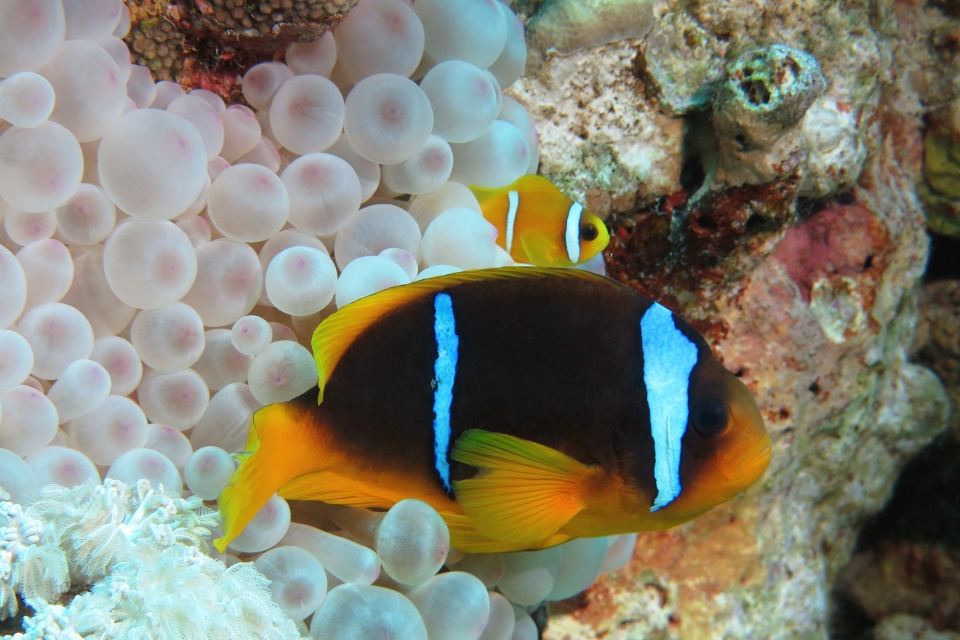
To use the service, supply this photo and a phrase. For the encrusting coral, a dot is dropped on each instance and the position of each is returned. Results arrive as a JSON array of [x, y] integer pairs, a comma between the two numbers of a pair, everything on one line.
[[565, 26], [940, 189], [802, 283], [758, 111], [138, 555]]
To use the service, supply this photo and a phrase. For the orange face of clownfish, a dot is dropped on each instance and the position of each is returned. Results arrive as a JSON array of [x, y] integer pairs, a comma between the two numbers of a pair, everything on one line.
[[536, 224], [528, 406]]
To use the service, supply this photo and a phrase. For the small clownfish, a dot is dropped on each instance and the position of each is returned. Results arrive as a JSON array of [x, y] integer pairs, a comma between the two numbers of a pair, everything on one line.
[[536, 224], [528, 406]]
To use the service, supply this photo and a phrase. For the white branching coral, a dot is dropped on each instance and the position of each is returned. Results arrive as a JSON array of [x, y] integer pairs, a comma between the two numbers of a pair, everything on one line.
[[138, 554]]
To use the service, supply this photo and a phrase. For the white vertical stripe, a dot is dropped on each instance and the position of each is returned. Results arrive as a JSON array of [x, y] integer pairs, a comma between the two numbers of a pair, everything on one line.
[[668, 358], [514, 198], [444, 372], [572, 234]]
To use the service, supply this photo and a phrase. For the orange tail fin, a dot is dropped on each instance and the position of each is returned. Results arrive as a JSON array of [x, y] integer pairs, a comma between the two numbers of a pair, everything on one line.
[[283, 444]]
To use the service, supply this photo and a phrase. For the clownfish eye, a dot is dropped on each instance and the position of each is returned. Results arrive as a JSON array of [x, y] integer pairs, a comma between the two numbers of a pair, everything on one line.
[[710, 417], [588, 232]]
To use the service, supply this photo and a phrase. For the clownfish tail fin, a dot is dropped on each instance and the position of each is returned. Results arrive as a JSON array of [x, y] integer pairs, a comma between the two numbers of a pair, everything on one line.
[[279, 448]]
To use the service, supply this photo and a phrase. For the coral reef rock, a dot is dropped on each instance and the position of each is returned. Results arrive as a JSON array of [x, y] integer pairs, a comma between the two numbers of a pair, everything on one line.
[[565, 26], [902, 626], [940, 189], [801, 277], [758, 111], [595, 133], [927, 73], [937, 342], [914, 578]]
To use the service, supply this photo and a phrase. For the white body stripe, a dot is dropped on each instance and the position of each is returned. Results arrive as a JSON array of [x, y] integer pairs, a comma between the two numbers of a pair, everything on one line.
[[514, 199], [668, 358], [444, 372], [572, 234]]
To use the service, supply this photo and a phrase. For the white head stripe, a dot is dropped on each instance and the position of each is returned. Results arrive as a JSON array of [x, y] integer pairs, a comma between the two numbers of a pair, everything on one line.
[[668, 358], [514, 198], [572, 234]]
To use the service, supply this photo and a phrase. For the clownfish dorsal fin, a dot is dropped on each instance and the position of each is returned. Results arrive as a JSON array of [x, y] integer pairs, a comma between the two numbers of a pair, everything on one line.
[[525, 492], [335, 334], [529, 184], [532, 185], [484, 193]]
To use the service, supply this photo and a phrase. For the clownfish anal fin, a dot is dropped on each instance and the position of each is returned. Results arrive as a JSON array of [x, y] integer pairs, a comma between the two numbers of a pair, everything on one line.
[[464, 536], [525, 492], [332, 488]]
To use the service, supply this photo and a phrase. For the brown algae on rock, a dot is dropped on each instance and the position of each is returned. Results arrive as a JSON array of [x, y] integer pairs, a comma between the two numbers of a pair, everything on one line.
[[940, 189]]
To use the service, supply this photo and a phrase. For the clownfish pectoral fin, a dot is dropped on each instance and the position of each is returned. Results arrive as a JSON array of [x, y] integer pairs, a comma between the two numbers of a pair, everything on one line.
[[525, 492]]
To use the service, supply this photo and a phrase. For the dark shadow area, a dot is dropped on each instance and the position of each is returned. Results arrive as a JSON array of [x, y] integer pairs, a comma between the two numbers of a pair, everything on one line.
[[847, 621], [944, 263], [925, 506], [905, 555]]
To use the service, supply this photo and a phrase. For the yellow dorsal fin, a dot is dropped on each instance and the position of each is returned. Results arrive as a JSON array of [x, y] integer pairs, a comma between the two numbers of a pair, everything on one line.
[[535, 185], [337, 332], [525, 492]]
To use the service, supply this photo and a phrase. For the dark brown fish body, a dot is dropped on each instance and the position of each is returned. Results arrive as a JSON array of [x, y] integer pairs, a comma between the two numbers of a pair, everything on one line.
[[512, 376], [549, 357]]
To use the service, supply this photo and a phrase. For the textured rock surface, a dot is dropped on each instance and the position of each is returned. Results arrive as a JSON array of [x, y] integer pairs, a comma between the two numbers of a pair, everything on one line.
[[940, 188], [928, 68], [597, 132], [918, 579], [803, 284], [758, 110], [937, 343], [906, 627], [680, 67], [565, 26]]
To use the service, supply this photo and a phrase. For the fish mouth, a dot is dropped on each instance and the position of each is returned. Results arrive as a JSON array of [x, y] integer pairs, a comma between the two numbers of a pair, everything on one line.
[[755, 461]]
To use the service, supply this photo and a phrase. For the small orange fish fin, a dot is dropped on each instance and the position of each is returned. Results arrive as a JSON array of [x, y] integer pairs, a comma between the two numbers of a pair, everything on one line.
[[540, 188], [530, 185], [543, 252], [338, 331], [332, 488], [525, 492], [485, 193], [280, 446]]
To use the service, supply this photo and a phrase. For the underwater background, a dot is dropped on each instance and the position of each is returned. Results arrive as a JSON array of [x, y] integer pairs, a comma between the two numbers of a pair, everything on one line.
[[782, 174]]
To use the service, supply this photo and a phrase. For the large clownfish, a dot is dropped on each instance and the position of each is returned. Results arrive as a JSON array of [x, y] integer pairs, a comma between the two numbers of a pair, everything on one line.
[[536, 224], [528, 406]]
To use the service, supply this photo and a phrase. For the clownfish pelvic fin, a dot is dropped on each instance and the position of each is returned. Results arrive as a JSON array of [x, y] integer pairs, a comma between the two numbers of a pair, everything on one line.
[[525, 492]]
